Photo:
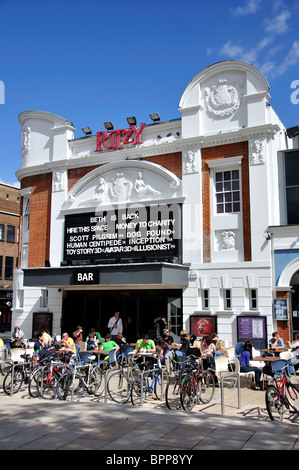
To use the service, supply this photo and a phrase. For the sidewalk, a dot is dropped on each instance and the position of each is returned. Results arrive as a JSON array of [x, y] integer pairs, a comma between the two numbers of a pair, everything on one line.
[[35, 424]]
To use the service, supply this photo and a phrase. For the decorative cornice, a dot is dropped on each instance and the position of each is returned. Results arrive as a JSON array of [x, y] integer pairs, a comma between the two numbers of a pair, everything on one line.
[[204, 141]]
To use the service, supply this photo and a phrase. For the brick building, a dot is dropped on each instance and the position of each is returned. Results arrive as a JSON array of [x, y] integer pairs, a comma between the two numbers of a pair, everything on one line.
[[174, 218], [9, 237]]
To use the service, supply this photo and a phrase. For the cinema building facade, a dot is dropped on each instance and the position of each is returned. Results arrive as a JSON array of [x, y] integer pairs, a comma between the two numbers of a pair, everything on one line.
[[171, 218]]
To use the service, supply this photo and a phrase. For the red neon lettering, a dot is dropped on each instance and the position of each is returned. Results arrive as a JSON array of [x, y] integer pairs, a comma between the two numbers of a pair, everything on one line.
[[101, 139], [138, 132], [115, 138], [127, 139]]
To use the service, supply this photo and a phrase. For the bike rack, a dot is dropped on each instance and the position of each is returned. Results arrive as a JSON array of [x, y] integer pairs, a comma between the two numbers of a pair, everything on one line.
[[237, 374]]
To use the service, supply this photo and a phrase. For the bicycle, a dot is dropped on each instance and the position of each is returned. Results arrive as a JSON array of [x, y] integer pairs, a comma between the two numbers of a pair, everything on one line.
[[78, 378], [18, 374], [49, 372], [119, 382], [148, 382], [173, 387], [198, 386], [281, 394]]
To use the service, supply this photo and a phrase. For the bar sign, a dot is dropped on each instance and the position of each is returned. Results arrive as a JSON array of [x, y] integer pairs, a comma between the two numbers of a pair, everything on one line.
[[86, 276]]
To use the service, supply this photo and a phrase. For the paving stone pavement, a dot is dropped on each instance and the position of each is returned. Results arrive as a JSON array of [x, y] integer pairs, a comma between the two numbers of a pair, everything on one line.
[[149, 431]]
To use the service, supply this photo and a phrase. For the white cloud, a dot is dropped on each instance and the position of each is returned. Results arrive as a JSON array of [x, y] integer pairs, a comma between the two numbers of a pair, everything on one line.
[[278, 25], [274, 71], [250, 8]]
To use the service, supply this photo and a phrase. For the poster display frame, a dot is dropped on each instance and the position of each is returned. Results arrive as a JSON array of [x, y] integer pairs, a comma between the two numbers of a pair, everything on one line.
[[249, 323]]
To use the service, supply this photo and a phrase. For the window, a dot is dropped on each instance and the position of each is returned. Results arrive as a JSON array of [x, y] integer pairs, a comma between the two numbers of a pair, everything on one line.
[[8, 267], [253, 299], [10, 233], [44, 298], [292, 186], [227, 185], [20, 298], [205, 299], [26, 213], [227, 301], [1, 266], [2, 232]]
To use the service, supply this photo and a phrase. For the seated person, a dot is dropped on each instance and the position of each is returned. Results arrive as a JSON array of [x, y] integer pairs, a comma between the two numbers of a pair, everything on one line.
[[164, 349], [17, 338], [208, 351], [39, 344], [244, 360], [78, 334], [90, 343], [186, 348], [167, 337], [276, 341], [109, 344], [119, 339], [220, 349], [294, 344], [67, 342], [47, 339], [95, 333], [147, 344]]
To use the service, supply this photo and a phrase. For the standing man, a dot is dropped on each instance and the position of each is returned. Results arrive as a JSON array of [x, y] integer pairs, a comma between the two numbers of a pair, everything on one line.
[[115, 325], [159, 325]]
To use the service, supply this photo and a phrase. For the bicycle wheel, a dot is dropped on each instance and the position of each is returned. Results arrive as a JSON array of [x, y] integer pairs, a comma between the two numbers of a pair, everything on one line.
[[118, 387], [46, 383], [69, 387], [292, 395], [32, 385], [187, 395], [172, 393], [136, 390], [157, 381], [14, 382], [274, 404], [207, 387], [97, 382]]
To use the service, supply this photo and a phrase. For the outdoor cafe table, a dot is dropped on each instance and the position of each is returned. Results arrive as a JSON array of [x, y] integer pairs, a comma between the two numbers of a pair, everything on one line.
[[265, 358], [275, 351]]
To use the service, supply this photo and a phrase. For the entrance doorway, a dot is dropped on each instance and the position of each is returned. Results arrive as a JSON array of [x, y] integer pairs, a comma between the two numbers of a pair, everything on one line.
[[138, 309]]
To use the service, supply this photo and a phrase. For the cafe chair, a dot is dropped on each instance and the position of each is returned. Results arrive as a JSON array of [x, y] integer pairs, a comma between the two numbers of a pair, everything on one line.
[[238, 349], [249, 375], [83, 345], [221, 367], [231, 353], [85, 357], [16, 354], [286, 355]]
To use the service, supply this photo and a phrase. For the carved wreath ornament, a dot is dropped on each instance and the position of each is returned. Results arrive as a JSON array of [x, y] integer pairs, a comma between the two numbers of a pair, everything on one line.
[[223, 100]]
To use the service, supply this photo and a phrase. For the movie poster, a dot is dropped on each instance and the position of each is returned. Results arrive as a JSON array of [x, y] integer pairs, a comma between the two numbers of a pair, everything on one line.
[[202, 326]]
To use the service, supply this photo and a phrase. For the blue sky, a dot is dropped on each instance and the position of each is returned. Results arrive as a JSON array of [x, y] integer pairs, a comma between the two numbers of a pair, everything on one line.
[[95, 61]]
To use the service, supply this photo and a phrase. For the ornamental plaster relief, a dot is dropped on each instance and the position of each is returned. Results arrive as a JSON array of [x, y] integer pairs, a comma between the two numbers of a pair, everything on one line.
[[190, 162], [224, 99], [123, 182], [256, 152]]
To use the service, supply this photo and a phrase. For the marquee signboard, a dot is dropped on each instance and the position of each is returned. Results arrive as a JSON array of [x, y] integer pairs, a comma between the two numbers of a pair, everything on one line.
[[123, 234]]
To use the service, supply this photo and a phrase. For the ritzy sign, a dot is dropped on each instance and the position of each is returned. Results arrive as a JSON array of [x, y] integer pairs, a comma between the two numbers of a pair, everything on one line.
[[116, 139]]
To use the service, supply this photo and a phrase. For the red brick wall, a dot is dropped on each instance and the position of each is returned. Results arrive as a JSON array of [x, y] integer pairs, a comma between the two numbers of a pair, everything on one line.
[[213, 153], [40, 210]]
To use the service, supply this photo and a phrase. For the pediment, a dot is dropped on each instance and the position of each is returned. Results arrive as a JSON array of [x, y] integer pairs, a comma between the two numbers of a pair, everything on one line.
[[128, 181]]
